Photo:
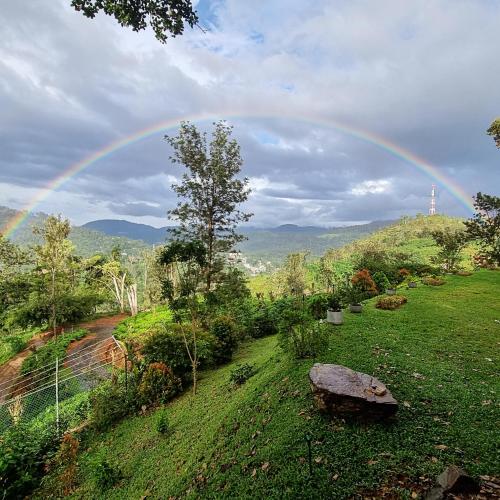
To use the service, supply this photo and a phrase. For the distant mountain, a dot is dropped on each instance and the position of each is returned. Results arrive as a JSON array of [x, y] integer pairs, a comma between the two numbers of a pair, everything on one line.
[[87, 242], [262, 244], [131, 230], [267, 244]]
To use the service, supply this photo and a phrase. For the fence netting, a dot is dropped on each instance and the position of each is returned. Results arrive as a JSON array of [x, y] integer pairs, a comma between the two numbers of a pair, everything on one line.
[[57, 390]]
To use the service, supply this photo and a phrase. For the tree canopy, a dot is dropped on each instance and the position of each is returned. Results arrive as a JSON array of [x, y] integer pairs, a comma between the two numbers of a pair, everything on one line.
[[484, 226], [164, 16], [494, 131], [209, 192]]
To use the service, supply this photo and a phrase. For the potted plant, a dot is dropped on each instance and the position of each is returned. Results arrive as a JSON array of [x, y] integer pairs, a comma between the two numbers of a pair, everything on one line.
[[334, 310], [412, 283], [391, 290], [354, 297]]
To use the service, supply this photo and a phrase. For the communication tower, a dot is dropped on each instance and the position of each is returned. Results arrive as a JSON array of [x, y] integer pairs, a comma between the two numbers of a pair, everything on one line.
[[432, 208]]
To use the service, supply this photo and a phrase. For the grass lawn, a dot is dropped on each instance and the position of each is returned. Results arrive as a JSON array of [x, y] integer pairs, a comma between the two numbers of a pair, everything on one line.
[[438, 355], [135, 327]]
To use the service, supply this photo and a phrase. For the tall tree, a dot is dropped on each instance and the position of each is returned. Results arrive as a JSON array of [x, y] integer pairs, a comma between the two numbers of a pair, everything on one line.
[[210, 192], [164, 16], [54, 257], [494, 131], [484, 226], [451, 243]]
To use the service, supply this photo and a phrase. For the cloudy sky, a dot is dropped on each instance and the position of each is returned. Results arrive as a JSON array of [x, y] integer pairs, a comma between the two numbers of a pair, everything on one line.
[[290, 75]]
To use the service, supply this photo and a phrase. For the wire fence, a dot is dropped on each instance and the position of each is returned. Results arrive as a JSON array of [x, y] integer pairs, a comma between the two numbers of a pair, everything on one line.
[[41, 395]]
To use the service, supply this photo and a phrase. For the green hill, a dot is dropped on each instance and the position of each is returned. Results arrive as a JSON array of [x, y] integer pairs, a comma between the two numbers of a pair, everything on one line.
[[438, 355], [87, 242], [410, 235]]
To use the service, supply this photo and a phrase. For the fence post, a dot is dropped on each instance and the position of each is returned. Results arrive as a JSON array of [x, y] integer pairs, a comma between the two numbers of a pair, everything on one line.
[[126, 373], [57, 396]]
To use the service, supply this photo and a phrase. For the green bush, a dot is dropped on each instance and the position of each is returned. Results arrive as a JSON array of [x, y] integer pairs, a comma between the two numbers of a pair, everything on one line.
[[158, 384], [162, 423], [318, 305], [223, 329], [22, 457], [104, 474], [263, 323], [167, 346], [110, 402], [381, 281], [241, 374], [305, 340]]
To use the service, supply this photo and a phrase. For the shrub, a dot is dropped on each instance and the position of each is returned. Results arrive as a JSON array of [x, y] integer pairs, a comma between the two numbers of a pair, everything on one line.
[[111, 402], [363, 281], [404, 273], [158, 384], [223, 329], [22, 457], [263, 324], [318, 305], [241, 374], [63, 479], [305, 340], [391, 302], [162, 423], [464, 273], [335, 301], [104, 474], [432, 281], [381, 281], [167, 346]]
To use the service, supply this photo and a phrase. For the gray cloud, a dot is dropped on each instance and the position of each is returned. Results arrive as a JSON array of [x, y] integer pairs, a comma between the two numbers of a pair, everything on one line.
[[423, 76]]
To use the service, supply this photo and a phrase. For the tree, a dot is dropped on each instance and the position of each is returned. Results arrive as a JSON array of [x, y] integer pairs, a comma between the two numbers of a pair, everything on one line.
[[494, 131], [164, 16], [451, 244], [53, 259], [153, 273], [210, 192], [484, 226], [186, 261]]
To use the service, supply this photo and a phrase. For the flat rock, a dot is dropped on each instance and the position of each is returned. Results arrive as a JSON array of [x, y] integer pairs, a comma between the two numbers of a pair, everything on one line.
[[338, 390], [455, 480]]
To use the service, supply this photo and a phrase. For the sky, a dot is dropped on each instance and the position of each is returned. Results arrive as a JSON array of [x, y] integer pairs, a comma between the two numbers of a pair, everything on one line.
[[290, 76]]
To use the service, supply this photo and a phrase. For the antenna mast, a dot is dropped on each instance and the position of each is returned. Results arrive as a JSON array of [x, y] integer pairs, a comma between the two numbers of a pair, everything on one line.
[[432, 208]]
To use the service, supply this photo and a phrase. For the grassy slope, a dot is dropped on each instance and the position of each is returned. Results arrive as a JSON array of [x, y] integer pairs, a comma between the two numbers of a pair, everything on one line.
[[446, 334]]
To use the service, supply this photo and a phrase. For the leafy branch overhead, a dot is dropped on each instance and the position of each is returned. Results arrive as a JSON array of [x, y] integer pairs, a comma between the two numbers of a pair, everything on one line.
[[164, 16]]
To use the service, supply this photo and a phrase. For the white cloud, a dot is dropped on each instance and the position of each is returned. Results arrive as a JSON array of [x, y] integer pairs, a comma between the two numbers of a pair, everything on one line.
[[371, 187]]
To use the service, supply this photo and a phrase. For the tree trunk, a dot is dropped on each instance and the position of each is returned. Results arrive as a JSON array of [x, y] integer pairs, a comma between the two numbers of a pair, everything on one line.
[[132, 299]]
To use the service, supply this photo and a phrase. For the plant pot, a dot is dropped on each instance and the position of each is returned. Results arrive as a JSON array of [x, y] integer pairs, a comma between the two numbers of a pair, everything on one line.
[[356, 308], [334, 317], [412, 284], [391, 291]]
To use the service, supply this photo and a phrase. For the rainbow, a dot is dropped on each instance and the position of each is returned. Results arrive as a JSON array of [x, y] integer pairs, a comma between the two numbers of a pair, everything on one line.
[[428, 169]]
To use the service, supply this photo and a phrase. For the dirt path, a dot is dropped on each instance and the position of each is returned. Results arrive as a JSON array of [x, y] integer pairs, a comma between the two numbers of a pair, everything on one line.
[[99, 329], [94, 349]]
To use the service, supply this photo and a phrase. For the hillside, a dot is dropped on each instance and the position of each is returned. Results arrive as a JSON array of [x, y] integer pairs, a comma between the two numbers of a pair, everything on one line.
[[86, 241], [250, 441], [266, 244], [409, 235]]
